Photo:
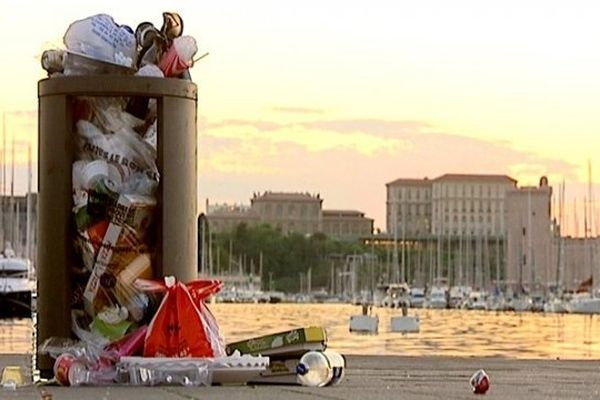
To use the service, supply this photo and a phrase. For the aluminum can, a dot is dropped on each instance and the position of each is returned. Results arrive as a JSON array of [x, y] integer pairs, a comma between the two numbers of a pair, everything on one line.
[[480, 382], [68, 371]]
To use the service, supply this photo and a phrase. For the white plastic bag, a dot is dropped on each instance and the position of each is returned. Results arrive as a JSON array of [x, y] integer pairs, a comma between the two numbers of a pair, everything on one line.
[[101, 38], [179, 57]]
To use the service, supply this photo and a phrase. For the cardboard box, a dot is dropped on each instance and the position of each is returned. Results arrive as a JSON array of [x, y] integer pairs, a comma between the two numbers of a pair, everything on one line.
[[279, 371], [288, 343]]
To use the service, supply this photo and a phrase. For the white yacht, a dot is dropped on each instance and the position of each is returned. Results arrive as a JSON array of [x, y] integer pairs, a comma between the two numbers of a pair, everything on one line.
[[16, 286], [458, 295], [437, 297], [583, 303], [555, 305], [477, 300], [417, 297], [397, 296], [522, 303]]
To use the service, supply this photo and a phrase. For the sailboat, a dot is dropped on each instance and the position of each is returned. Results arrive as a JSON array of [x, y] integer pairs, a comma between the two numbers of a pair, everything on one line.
[[17, 281], [556, 302], [587, 302]]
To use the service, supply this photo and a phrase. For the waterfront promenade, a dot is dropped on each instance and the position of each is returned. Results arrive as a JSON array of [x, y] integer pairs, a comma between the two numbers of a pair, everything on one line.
[[373, 377]]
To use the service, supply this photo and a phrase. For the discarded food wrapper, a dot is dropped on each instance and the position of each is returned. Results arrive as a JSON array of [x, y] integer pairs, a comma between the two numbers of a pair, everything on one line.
[[130, 220], [480, 382], [12, 377], [179, 57], [52, 61]]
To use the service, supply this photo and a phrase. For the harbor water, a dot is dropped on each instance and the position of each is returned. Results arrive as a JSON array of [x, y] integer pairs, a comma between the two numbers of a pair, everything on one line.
[[442, 332]]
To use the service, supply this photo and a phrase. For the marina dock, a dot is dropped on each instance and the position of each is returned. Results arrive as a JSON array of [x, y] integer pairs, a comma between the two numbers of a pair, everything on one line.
[[372, 377]]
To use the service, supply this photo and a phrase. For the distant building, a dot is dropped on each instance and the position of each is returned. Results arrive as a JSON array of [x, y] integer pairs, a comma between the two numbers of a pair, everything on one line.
[[225, 218], [576, 262], [529, 241], [474, 228], [409, 208], [346, 224], [451, 205], [291, 213], [470, 205]]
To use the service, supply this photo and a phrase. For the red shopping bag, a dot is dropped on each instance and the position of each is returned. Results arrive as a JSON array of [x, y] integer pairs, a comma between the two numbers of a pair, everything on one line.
[[180, 328]]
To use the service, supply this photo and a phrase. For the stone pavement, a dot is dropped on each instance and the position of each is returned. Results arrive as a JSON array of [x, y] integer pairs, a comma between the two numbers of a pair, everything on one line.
[[372, 377]]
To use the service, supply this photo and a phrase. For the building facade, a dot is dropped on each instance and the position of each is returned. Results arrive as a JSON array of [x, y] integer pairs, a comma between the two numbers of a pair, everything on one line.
[[451, 205], [289, 212], [530, 245], [301, 213], [470, 205], [576, 261], [475, 228], [346, 224], [409, 208]]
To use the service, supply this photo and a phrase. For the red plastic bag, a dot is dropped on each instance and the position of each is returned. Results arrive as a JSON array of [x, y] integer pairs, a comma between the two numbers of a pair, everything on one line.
[[183, 326]]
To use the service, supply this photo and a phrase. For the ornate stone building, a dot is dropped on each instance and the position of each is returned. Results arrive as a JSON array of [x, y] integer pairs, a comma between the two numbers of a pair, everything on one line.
[[292, 213]]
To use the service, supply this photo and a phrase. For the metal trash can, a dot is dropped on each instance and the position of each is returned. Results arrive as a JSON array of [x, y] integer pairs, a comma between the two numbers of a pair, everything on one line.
[[176, 198]]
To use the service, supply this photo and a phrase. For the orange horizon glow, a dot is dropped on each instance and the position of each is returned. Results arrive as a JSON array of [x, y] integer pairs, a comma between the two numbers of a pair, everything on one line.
[[341, 98]]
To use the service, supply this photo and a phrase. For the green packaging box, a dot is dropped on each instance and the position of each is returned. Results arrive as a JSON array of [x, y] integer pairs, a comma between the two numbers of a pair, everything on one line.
[[289, 343]]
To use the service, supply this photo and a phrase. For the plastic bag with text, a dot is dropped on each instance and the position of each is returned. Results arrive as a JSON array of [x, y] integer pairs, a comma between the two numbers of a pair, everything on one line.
[[183, 326], [99, 37]]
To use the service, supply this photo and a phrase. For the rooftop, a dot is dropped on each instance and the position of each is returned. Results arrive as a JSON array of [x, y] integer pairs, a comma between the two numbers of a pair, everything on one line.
[[476, 177], [286, 196]]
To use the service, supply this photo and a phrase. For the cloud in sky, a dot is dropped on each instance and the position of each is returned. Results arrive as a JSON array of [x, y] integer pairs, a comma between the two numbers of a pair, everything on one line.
[[349, 161], [298, 110]]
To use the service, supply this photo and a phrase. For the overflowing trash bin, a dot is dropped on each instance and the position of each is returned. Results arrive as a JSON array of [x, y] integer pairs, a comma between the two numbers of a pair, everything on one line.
[[117, 189], [118, 299]]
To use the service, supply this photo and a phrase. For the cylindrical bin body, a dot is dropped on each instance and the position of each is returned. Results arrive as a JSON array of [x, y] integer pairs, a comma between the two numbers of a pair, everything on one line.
[[176, 209]]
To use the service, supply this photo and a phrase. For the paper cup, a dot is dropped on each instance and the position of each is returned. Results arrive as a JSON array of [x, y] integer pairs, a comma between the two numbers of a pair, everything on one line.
[[92, 171]]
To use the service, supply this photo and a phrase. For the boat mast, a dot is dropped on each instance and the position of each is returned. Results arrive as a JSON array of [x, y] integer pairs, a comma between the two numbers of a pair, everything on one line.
[[529, 242], [395, 266], [28, 231], [3, 180], [12, 197]]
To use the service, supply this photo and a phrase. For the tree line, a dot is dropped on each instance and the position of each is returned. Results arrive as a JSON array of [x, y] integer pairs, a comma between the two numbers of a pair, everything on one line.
[[285, 258]]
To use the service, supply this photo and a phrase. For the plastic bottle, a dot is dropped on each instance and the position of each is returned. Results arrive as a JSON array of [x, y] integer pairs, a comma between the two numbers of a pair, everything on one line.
[[338, 363], [320, 368]]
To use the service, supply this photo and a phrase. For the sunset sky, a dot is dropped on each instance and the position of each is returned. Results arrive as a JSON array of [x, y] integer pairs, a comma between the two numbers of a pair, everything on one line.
[[341, 97]]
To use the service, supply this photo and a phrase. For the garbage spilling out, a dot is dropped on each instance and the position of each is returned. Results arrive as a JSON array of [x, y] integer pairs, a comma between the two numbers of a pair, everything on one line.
[[297, 357], [131, 325]]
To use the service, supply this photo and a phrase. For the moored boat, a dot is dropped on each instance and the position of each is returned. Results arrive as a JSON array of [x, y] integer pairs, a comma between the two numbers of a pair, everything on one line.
[[16, 286]]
